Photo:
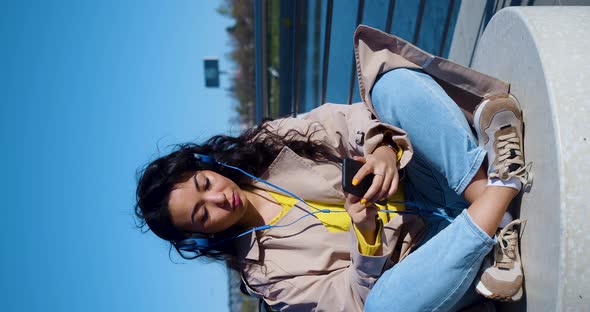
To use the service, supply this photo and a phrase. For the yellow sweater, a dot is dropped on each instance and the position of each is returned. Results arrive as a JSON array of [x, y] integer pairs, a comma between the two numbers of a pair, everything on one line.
[[339, 221]]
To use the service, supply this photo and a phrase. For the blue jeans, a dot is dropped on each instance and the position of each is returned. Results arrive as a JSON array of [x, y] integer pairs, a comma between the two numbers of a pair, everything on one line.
[[439, 274]]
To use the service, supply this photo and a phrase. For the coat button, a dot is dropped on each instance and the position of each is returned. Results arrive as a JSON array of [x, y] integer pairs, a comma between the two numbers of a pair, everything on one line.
[[360, 138]]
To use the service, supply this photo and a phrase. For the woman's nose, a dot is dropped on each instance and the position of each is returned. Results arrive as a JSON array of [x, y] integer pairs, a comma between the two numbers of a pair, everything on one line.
[[216, 198]]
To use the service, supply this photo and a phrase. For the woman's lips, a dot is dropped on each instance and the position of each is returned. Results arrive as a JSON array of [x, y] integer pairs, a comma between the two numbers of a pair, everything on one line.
[[236, 201]]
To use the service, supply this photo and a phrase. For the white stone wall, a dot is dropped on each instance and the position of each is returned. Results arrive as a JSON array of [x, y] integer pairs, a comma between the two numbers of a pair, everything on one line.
[[543, 52]]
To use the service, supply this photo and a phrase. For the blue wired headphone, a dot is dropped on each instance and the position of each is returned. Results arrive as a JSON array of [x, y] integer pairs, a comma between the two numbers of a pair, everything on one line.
[[199, 242]]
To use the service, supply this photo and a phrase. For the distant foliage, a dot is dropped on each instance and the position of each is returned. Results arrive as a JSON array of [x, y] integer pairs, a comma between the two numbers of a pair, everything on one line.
[[242, 41]]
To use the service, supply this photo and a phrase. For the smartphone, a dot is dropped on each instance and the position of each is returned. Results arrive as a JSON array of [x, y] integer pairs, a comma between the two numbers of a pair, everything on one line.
[[349, 168]]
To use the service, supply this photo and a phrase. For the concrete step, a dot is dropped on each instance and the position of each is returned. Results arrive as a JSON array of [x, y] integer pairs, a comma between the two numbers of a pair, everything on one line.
[[543, 53]]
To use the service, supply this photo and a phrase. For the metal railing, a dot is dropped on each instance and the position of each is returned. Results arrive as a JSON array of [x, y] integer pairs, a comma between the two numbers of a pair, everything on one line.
[[291, 77]]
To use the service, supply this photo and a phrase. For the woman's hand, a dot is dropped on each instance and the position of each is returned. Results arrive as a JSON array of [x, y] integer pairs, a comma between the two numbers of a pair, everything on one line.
[[383, 164], [363, 217]]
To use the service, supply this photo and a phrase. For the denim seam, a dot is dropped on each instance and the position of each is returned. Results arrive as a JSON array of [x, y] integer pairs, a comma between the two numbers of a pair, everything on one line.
[[471, 172], [478, 231], [463, 280], [471, 266]]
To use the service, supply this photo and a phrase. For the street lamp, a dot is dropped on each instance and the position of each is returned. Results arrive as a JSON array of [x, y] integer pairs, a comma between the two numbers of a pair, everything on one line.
[[211, 72]]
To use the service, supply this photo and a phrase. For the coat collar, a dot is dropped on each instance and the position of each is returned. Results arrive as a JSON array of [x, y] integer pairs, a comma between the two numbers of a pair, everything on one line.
[[249, 245], [304, 177], [287, 171]]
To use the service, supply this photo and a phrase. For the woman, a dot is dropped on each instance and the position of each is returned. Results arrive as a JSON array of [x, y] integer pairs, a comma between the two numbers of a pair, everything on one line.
[[330, 251]]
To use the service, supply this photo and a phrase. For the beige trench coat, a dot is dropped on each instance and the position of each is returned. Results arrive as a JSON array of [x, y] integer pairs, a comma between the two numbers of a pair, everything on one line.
[[303, 266]]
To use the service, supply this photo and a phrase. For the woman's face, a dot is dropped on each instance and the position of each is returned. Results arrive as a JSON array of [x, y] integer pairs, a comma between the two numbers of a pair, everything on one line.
[[206, 203]]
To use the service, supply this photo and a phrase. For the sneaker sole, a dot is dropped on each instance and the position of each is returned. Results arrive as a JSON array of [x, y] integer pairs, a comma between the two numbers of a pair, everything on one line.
[[482, 290]]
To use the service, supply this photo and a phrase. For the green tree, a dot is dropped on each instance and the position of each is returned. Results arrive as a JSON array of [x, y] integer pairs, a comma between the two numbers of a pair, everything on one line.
[[243, 87]]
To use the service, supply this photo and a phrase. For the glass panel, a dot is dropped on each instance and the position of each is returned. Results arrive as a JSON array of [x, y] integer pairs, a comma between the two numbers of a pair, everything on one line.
[[451, 31], [404, 19], [311, 35], [433, 25], [374, 15], [341, 51], [310, 50], [273, 69]]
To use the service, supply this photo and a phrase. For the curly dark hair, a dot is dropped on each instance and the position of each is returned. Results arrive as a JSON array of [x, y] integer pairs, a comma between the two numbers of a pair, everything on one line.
[[253, 151]]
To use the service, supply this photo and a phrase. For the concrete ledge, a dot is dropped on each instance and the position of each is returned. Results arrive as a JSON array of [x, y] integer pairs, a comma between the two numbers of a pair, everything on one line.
[[543, 52]]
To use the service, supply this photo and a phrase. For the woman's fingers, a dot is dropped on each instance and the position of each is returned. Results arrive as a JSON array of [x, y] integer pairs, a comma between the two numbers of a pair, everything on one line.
[[363, 171], [360, 213], [360, 158], [385, 182], [373, 193], [353, 205], [385, 186], [394, 184]]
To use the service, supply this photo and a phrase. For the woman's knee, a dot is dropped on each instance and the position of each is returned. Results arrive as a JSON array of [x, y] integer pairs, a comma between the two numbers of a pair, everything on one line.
[[406, 95], [402, 84]]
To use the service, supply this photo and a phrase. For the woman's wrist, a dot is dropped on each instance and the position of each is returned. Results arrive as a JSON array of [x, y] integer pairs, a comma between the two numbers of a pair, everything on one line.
[[367, 228], [397, 151]]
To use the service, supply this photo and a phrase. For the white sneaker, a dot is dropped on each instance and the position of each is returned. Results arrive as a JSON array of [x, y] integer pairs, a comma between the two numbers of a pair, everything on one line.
[[499, 127], [502, 279]]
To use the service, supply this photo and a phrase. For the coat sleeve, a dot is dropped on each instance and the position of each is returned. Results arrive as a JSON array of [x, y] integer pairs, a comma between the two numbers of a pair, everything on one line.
[[351, 130], [344, 289]]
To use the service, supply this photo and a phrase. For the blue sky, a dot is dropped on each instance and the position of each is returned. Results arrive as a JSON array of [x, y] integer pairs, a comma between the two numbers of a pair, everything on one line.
[[90, 90]]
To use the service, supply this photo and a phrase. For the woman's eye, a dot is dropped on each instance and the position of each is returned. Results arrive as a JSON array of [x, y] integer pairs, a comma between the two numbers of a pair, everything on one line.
[[205, 215]]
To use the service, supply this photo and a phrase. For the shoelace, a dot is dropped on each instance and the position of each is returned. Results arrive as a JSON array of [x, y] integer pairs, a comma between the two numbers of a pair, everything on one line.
[[508, 238], [510, 154]]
